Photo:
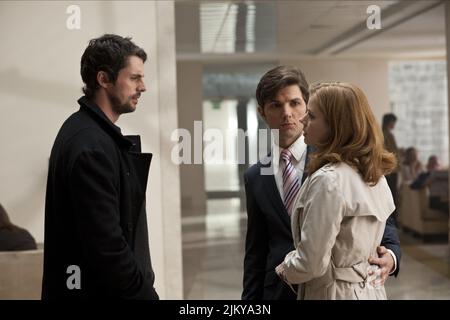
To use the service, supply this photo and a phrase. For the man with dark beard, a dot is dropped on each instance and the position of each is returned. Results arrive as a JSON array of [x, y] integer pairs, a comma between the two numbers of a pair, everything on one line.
[[96, 238]]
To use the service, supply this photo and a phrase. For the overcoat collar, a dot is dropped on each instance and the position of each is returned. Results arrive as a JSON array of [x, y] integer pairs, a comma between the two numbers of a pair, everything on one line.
[[97, 114]]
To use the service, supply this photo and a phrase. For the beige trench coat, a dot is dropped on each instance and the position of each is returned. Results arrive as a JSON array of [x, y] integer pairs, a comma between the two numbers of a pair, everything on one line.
[[337, 223]]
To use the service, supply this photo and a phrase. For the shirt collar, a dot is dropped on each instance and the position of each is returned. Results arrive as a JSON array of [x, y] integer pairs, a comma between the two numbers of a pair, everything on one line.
[[297, 150]]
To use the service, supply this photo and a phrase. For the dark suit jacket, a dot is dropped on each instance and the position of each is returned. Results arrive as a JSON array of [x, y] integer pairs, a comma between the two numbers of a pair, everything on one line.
[[95, 211], [269, 237]]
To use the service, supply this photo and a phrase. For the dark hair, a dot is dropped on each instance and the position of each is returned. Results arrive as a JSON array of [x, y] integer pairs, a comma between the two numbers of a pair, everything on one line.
[[5, 223], [109, 53], [410, 156], [388, 118], [278, 78]]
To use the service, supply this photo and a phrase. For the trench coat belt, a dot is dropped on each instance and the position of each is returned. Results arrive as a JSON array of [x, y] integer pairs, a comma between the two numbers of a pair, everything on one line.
[[355, 273]]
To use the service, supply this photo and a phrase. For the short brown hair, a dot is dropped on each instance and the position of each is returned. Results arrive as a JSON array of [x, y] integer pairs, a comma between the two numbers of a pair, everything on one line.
[[108, 53], [355, 137], [278, 78]]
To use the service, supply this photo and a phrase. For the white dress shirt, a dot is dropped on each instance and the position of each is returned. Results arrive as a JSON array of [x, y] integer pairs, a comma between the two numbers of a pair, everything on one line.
[[298, 151]]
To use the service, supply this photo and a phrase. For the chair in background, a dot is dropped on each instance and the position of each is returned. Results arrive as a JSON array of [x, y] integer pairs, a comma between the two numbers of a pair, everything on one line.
[[416, 216]]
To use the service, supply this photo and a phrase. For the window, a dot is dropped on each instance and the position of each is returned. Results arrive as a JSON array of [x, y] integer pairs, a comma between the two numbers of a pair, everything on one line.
[[418, 97]]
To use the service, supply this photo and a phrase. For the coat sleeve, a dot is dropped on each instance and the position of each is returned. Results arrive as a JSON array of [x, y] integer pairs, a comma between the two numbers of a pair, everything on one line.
[[94, 191], [322, 216], [256, 248], [391, 241]]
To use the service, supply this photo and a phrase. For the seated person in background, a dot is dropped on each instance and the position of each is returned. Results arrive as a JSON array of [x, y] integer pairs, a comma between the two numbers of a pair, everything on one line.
[[411, 167], [433, 163], [438, 186], [12, 237], [423, 179], [436, 180]]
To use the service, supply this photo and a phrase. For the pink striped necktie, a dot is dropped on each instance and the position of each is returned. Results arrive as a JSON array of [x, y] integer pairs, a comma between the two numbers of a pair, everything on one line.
[[291, 181]]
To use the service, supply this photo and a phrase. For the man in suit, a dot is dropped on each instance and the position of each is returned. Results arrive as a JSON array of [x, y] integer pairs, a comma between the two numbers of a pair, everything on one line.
[[282, 95], [96, 239]]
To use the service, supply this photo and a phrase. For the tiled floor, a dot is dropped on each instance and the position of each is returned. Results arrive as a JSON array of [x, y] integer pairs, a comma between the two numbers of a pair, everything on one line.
[[213, 250]]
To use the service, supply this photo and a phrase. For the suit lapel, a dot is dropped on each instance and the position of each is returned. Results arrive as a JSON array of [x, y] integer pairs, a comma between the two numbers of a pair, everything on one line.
[[271, 190]]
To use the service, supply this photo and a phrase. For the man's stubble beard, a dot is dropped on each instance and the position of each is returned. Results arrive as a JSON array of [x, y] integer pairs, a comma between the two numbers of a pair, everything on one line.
[[119, 108]]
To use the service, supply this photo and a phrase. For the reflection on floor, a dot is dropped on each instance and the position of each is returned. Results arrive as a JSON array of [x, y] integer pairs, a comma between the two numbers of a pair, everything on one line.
[[213, 250]]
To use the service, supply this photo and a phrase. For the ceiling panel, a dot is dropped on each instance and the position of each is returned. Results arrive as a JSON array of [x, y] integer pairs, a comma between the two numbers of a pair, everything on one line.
[[424, 33], [282, 28]]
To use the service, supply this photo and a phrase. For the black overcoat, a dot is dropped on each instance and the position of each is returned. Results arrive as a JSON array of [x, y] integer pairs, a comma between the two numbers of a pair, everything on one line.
[[95, 216]]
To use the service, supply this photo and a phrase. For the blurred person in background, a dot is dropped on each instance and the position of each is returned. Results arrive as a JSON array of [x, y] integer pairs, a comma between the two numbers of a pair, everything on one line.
[[390, 144], [12, 237], [411, 166]]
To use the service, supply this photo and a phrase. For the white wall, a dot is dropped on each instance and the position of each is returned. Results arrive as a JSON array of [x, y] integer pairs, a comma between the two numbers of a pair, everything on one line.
[[39, 86], [190, 102], [371, 75]]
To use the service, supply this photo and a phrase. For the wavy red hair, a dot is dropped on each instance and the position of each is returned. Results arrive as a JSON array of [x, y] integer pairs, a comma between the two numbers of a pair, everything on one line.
[[355, 137]]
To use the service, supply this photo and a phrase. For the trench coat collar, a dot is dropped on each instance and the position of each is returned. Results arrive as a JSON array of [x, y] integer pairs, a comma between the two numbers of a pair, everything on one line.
[[98, 115]]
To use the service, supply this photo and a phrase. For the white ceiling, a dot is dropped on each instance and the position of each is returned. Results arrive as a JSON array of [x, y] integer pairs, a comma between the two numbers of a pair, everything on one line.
[[267, 30], [422, 35], [308, 25]]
